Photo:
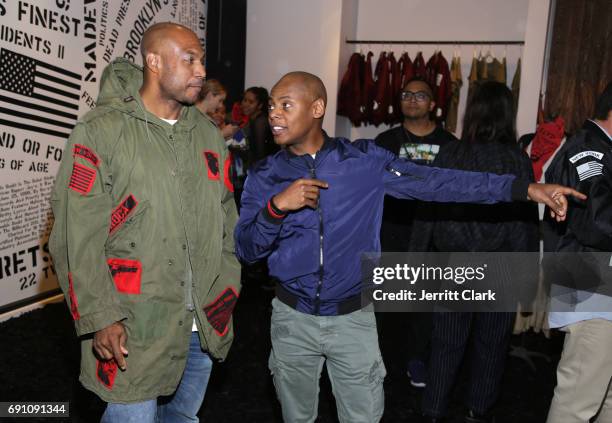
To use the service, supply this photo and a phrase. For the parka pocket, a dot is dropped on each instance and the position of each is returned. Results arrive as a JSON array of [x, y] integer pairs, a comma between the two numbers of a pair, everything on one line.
[[127, 274], [127, 227]]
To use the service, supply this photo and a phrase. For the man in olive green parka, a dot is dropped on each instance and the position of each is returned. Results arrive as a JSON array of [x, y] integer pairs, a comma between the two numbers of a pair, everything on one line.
[[142, 240]]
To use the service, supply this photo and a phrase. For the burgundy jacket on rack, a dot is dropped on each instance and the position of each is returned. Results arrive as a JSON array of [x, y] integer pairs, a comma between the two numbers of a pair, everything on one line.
[[438, 76], [406, 74], [368, 91], [407, 69], [418, 66], [351, 90], [381, 96], [392, 91]]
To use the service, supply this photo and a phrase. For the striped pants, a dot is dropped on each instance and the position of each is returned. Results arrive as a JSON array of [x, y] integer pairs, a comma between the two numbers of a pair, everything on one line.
[[491, 336]]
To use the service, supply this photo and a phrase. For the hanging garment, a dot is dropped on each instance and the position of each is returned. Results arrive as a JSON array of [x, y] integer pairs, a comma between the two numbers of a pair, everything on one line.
[[546, 141], [407, 73], [483, 68], [380, 107], [453, 104], [407, 69], [439, 78], [516, 85], [396, 75], [473, 78], [418, 66], [392, 91], [351, 86], [486, 68], [496, 71], [368, 91]]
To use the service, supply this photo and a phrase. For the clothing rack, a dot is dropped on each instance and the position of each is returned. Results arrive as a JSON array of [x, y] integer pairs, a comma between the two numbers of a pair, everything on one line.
[[444, 42]]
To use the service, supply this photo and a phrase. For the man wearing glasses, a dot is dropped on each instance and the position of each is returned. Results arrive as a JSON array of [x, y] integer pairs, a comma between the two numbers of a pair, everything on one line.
[[419, 139]]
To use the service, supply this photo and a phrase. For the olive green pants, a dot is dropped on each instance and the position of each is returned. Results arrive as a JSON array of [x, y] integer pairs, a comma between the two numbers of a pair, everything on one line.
[[301, 343]]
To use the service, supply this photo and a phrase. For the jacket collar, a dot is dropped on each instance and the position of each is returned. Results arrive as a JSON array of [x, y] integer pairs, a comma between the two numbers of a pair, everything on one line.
[[329, 144], [594, 128]]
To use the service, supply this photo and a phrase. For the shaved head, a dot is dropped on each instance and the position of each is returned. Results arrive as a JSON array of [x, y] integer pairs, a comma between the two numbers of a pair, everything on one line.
[[310, 84], [173, 68], [159, 34]]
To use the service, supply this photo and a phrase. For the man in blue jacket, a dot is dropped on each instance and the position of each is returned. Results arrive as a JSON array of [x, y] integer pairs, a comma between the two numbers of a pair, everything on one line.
[[312, 210]]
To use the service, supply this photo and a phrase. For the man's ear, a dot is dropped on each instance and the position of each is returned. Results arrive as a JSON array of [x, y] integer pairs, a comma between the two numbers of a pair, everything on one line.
[[318, 108], [432, 105], [152, 62]]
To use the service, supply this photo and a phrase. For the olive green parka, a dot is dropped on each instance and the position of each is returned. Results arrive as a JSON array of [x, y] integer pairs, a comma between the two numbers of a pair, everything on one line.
[[144, 217]]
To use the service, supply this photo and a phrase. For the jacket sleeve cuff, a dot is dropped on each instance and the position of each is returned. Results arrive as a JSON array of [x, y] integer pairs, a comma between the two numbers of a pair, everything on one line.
[[519, 190], [93, 322], [272, 214]]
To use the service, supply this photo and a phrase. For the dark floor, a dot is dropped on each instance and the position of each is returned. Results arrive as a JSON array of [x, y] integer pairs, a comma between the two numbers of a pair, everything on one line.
[[39, 358]]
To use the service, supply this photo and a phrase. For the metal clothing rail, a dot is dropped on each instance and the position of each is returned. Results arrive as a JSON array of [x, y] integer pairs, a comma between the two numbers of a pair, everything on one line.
[[444, 42]]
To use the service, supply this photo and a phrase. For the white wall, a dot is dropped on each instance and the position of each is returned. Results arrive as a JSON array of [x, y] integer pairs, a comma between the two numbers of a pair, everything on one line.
[[284, 36]]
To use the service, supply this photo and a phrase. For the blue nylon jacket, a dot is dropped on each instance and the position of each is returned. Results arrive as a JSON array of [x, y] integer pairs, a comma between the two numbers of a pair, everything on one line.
[[316, 254]]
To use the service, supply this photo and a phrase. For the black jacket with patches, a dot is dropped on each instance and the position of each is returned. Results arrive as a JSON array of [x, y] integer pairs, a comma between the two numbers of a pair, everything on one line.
[[585, 163]]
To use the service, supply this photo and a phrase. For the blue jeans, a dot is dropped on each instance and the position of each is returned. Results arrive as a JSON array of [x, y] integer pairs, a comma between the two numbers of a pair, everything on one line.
[[181, 407]]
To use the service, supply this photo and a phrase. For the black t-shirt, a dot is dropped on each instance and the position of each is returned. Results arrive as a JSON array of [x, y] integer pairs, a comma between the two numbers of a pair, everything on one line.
[[399, 214], [419, 149]]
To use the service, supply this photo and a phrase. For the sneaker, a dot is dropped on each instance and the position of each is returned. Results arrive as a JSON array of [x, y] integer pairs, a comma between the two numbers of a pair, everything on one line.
[[417, 372]]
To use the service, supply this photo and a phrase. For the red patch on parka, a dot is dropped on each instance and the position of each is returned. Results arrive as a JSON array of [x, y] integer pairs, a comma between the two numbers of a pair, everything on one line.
[[219, 312]]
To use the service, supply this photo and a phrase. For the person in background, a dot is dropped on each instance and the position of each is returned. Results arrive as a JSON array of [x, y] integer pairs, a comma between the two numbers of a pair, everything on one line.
[[254, 105], [418, 139], [212, 97], [584, 375], [488, 144], [220, 116], [142, 239]]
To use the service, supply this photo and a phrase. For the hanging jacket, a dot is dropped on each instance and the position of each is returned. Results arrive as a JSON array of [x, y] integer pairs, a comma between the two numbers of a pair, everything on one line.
[[142, 235], [453, 104], [368, 91], [473, 78], [350, 93], [516, 85], [439, 79], [381, 96], [316, 253], [406, 74], [418, 66], [392, 91], [407, 69]]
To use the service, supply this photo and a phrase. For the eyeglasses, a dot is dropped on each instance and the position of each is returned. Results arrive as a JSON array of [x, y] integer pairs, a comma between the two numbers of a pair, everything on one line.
[[419, 96]]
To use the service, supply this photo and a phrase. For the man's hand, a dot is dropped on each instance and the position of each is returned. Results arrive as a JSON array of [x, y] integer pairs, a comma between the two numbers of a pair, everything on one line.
[[554, 196], [109, 343], [301, 193]]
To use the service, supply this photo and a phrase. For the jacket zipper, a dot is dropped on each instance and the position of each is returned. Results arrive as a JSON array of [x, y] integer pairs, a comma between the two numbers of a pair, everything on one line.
[[398, 173], [317, 300]]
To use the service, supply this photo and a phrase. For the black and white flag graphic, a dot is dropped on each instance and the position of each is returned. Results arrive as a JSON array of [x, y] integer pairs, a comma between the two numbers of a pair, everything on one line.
[[589, 169], [37, 96]]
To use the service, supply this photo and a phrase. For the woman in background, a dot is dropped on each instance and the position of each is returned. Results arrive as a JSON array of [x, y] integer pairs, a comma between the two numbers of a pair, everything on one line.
[[212, 97], [254, 105], [488, 144]]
